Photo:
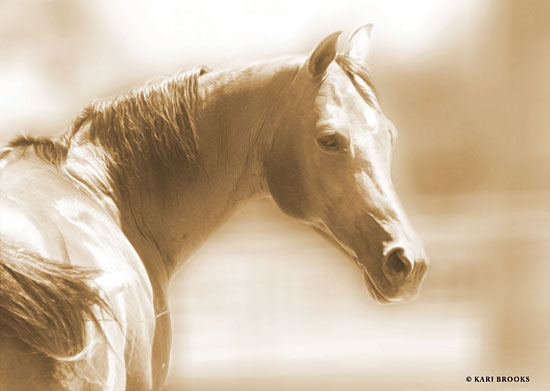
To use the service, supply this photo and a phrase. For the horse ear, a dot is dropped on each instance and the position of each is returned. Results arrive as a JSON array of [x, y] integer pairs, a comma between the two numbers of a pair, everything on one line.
[[322, 56], [359, 45]]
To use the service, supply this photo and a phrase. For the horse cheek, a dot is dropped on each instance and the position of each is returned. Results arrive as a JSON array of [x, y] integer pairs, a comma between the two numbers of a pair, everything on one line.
[[285, 180]]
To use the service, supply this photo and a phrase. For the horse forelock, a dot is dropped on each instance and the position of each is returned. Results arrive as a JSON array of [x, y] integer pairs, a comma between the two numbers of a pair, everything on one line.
[[353, 68]]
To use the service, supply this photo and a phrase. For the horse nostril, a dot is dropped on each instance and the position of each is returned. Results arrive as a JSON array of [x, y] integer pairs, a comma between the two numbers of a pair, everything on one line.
[[397, 267]]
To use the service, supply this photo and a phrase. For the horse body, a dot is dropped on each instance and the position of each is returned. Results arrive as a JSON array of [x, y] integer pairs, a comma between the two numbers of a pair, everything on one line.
[[67, 225], [139, 183]]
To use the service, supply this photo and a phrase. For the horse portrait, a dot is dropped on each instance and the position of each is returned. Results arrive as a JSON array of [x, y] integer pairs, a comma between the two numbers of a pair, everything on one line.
[[95, 222]]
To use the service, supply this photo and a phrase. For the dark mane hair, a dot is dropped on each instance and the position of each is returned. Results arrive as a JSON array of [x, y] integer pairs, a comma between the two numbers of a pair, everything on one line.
[[51, 150], [155, 121], [352, 68]]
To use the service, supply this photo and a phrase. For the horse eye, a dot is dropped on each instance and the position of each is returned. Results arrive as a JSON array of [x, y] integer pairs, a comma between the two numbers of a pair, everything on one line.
[[331, 141]]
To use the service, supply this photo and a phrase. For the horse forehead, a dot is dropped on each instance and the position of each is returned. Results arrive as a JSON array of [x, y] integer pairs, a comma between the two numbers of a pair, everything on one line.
[[341, 106]]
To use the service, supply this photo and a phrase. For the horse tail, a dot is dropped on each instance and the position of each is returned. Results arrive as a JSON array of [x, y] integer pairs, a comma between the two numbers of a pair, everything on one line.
[[46, 304]]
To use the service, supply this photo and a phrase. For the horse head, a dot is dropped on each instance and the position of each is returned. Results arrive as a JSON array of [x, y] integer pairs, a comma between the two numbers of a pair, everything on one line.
[[329, 165]]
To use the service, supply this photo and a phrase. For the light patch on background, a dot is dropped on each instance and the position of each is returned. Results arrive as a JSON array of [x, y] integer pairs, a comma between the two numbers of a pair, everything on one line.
[[22, 85], [213, 29], [124, 39]]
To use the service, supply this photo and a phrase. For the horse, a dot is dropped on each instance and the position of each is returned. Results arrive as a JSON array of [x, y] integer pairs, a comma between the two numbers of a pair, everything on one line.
[[95, 222]]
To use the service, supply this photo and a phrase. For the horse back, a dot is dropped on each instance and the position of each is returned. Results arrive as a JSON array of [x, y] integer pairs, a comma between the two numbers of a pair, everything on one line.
[[42, 212]]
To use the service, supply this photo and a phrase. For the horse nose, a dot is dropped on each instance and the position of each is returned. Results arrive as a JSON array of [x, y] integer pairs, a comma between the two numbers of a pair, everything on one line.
[[397, 267]]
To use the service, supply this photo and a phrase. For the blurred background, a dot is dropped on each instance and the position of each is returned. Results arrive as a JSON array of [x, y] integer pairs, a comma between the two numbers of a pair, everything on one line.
[[268, 305]]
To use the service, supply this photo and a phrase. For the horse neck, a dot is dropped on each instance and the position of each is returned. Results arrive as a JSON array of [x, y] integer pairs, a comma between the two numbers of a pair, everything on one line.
[[167, 213]]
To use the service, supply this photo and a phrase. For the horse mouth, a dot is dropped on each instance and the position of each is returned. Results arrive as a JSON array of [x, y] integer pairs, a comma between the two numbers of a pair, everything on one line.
[[375, 293]]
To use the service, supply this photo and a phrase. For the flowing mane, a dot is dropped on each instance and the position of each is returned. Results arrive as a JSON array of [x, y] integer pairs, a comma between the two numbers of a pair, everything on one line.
[[155, 121]]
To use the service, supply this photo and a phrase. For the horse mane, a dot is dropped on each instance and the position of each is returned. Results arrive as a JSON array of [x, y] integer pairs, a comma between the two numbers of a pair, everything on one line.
[[154, 121], [46, 304], [53, 151]]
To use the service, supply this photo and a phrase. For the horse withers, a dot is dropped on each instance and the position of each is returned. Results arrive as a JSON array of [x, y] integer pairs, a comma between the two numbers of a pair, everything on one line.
[[95, 222]]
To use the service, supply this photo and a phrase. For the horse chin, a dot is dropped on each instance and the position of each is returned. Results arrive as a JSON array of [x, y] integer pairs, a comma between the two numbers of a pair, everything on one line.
[[371, 286], [321, 228]]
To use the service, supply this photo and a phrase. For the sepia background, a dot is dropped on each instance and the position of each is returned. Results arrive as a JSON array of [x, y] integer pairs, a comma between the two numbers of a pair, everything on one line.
[[268, 305]]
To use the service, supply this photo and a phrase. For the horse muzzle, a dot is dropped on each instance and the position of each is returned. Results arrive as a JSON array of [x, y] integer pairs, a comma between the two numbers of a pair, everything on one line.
[[400, 278]]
